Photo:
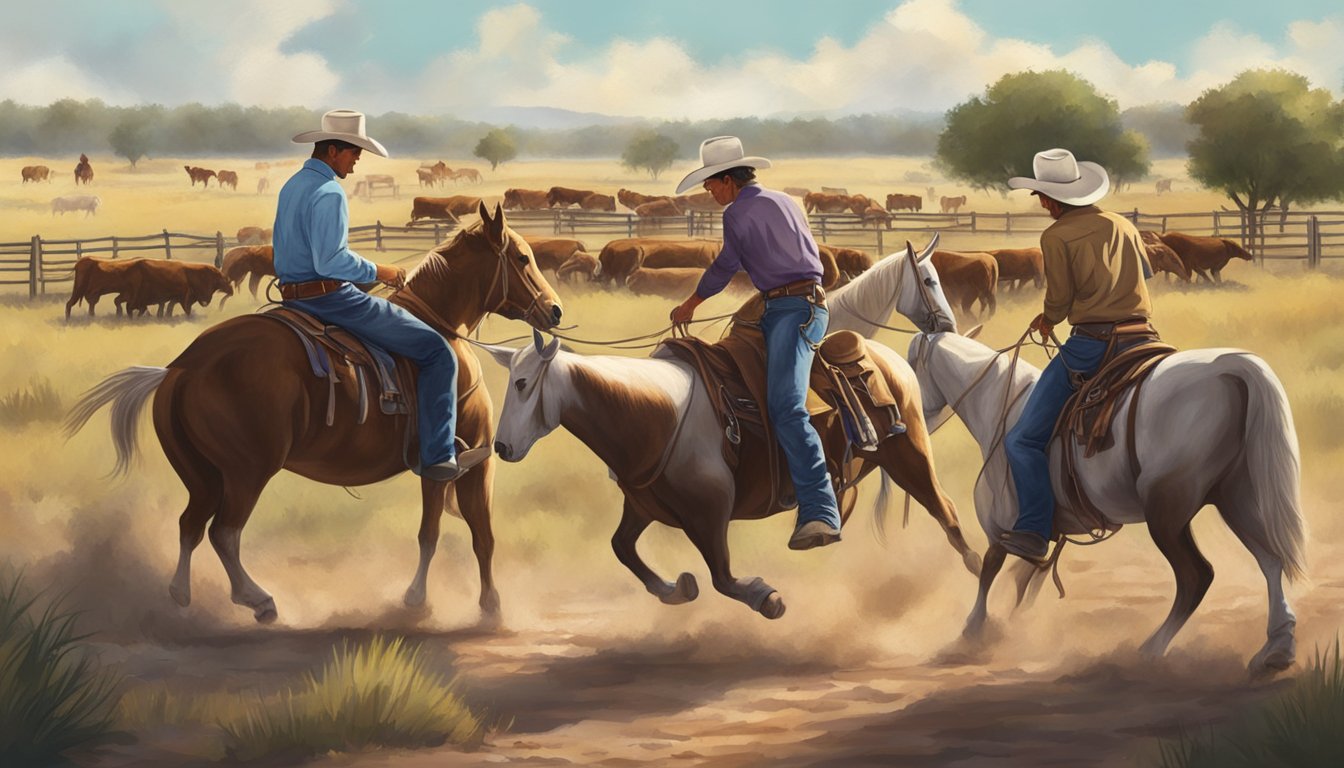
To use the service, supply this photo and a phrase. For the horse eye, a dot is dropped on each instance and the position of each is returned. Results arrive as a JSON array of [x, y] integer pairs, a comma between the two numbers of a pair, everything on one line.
[[520, 384], [522, 259], [929, 281]]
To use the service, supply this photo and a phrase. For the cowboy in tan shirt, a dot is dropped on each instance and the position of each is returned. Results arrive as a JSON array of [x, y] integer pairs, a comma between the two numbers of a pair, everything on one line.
[[1094, 275]]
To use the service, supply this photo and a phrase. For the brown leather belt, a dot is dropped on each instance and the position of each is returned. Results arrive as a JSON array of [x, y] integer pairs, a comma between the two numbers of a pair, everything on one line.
[[311, 289], [806, 287], [1104, 331]]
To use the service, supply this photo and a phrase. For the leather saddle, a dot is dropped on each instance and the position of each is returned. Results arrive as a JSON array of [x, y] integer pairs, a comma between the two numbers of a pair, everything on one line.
[[848, 400], [1133, 350], [329, 345]]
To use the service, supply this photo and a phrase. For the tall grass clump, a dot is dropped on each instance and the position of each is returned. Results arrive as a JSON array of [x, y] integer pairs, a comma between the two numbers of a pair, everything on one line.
[[379, 693], [36, 402], [53, 696], [1301, 728]]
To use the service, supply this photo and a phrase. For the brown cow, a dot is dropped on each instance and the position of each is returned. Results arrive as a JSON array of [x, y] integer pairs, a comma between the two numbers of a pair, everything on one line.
[[254, 236], [598, 202], [677, 283], [95, 278], [83, 171], [968, 278], [426, 177], [823, 202], [263, 184], [1019, 265], [580, 263], [1162, 259], [700, 201], [256, 261], [653, 212], [875, 216], [632, 199], [899, 202], [1201, 253], [1163, 185], [619, 258], [551, 252], [524, 199], [565, 197], [847, 260], [166, 282], [199, 174], [468, 174], [36, 173], [228, 177], [447, 208], [952, 204]]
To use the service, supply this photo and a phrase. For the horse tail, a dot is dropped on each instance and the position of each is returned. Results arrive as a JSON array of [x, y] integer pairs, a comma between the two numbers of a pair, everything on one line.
[[127, 390], [1273, 463]]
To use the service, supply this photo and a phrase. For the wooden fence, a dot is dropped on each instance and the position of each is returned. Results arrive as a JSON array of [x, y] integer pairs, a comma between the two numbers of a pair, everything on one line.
[[1303, 236]]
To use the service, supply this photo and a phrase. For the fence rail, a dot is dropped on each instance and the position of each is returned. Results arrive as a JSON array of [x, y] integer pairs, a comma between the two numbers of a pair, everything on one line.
[[1310, 236]]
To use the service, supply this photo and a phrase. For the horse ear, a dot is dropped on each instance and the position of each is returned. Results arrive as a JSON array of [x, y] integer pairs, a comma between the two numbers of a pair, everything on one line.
[[928, 249], [971, 334], [502, 355], [494, 227], [549, 352], [537, 342]]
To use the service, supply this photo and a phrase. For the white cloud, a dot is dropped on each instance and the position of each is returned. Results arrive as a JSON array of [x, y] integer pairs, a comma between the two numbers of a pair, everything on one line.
[[50, 79]]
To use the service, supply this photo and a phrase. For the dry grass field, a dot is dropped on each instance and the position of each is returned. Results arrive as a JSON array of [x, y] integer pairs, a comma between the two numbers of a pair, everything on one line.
[[866, 666]]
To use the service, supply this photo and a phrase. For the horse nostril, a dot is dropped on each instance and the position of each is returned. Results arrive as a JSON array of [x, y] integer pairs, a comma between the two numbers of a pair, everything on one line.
[[556, 312], [502, 450]]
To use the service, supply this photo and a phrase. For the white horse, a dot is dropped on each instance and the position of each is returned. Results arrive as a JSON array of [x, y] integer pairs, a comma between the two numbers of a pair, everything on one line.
[[1213, 427], [900, 279]]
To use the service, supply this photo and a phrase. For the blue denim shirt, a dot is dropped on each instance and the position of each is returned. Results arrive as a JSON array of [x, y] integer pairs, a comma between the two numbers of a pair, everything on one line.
[[766, 234], [311, 232]]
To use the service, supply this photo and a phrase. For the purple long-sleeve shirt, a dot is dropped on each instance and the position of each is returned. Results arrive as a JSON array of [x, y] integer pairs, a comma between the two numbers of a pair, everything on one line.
[[765, 234]]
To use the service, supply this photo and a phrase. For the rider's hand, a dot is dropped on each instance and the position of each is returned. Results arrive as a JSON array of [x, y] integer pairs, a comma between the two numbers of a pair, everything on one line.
[[685, 312], [1041, 324], [391, 275]]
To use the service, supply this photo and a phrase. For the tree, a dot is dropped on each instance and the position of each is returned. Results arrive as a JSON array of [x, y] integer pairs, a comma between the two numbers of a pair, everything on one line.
[[130, 137], [651, 151], [1267, 137], [991, 138], [497, 147]]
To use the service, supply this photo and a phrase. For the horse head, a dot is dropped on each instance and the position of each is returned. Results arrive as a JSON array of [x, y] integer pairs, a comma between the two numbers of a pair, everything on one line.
[[919, 293], [525, 417]]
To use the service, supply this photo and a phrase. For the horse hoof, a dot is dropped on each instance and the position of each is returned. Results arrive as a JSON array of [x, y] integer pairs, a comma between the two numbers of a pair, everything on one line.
[[414, 598], [180, 596], [685, 591], [773, 607], [265, 612], [1266, 664], [490, 603]]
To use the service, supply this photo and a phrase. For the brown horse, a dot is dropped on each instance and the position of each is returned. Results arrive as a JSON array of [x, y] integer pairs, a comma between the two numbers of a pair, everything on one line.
[[83, 171], [241, 403]]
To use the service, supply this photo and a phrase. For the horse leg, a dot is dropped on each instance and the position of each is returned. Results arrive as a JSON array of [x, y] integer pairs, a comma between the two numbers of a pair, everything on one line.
[[911, 466], [1280, 648], [623, 543], [432, 497], [975, 623], [1193, 577], [475, 492], [203, 484], [709, 534], [226, 532]]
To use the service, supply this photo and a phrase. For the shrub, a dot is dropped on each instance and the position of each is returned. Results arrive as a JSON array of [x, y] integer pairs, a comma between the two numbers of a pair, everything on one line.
[[37, 402]]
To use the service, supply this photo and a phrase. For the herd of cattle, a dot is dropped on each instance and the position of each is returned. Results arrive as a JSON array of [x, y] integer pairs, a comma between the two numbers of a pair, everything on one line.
[[439, 174]]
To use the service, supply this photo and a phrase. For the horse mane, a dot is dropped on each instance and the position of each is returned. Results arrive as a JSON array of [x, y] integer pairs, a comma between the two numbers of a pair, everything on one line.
[[871, 294], [435, 262]]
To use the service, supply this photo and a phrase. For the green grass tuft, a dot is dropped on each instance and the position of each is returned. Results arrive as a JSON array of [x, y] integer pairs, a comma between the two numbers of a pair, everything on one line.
[[36, 402], [1301, 728], [379, 693], [52, 695]]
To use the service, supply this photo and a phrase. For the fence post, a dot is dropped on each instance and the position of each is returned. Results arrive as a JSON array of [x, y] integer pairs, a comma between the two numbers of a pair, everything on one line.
[[1313, 243], [690, 223], [167, 245], [972, 221], [115, 253], [880, 249], [630, 225], [438, 238], [34, 266], [823, 227], [1164, 223], [378, 234], [1008, 223], [219, 249]]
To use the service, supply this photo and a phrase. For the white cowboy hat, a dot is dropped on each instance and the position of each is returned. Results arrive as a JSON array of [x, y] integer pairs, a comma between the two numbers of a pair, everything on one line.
[[717, 155], [346, 125], [1061, 177]]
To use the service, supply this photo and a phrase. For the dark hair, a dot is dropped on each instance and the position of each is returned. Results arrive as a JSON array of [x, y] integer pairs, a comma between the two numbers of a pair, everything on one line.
[[320, 148], [741, 175], [1063, 206]]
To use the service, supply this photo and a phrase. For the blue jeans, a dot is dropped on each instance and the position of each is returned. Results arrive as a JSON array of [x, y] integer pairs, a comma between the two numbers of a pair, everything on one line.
[[1027, 442], [793, 326], [380, 322]]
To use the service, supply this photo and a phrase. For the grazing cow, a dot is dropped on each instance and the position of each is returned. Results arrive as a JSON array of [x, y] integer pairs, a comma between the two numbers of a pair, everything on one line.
[[468, 174], [1162, 259], [36, 173], [700, 201], [199, 174], [632, 200], [228, 177], [1204, 253], [899, 202], [875, 215], [426, 177], [564, 197], [619, 258], [551, 252], [799, 192], [1017, 266], [254, 236], [580, 263], [847, 260], [256, 261], [860, 203], [83, 171], [448, 208], [166, 282], [656, 209], [952, 204], [824, 202], [86, 203], [263, 184], [1163, 185], [524, 199], [967, 278], [598, 202], [442, 173], [262, 166], [95, 278], [677, 282]]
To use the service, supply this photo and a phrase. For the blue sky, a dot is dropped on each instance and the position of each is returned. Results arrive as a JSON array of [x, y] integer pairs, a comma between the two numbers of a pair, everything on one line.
[[686, 59]]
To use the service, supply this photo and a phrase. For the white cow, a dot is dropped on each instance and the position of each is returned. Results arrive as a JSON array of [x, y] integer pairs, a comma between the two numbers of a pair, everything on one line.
[[87, 203]]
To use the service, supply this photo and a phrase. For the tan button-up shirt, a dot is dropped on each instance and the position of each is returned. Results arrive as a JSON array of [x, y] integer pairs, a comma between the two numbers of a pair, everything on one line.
[[1093, 268]]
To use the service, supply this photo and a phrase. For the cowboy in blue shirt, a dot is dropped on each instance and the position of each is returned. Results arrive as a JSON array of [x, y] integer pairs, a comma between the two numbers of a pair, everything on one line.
[[317, 272], [766, 234]]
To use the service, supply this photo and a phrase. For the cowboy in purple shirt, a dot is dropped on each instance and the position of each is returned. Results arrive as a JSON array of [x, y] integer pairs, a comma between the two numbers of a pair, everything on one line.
[[766, 235]]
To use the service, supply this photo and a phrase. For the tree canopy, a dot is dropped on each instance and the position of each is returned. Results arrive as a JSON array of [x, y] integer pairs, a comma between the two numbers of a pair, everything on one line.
[[497, 147], [131, 137], [1268, 136], [651, 151], [993, 137]]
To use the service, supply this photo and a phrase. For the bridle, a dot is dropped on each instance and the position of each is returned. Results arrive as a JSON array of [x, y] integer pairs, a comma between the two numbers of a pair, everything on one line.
[[932, 311]]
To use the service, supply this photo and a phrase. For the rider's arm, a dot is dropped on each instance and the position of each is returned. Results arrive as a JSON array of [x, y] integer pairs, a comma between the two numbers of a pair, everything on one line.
[[1058, 279], [725, 265], [332, 259]]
